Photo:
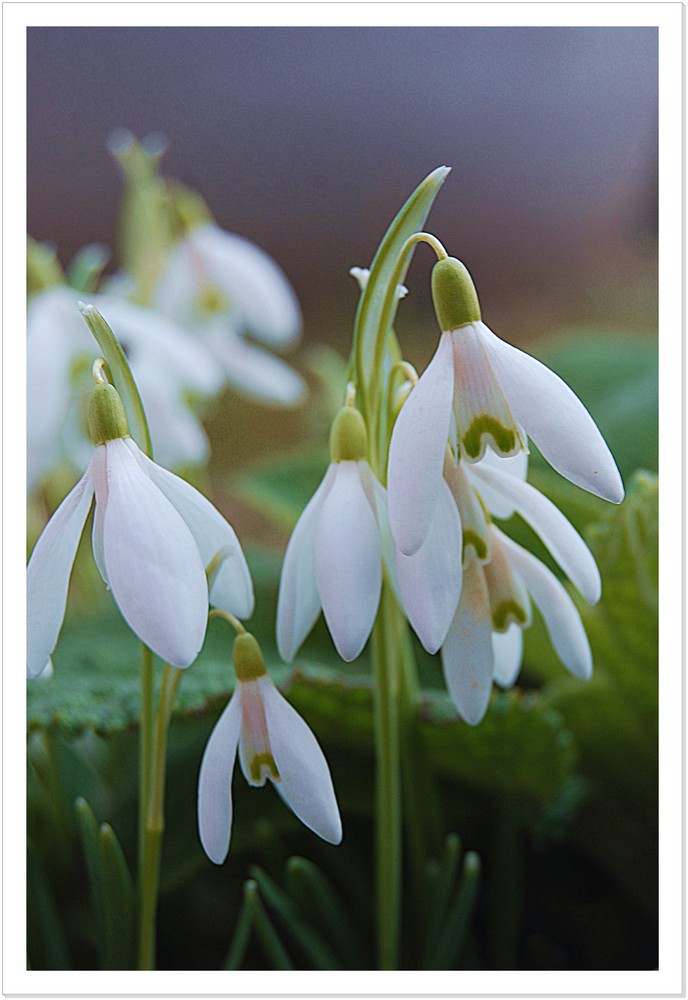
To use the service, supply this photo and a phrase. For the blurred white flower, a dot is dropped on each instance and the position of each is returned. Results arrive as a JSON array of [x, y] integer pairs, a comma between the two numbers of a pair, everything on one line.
[[273, 742], [165, 361], [496, 395], [153, 538], [221, 287]]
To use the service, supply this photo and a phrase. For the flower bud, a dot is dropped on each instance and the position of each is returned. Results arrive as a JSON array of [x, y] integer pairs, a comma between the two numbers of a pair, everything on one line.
[[454, 295], [348, 437], [248, 659], [106, 417]]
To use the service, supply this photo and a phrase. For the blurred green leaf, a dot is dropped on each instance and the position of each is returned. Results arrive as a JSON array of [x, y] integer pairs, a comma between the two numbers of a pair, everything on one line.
[[118, 901], [46, 944], [281, 487]]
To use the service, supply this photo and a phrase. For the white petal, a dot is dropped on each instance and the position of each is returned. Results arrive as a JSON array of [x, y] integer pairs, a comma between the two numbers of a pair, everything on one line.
[[176, 432], [507, 648], [252, 370], [417, 449], [305, 782], [515, 465], [231, 586], [560, 615], [467, 656], [254, 284], [48, 573], [474, 524], [152, 562], [99, 472], [215, 782], [558, 534], [347, 561], [430, 580], [298, 604], [555, 418]]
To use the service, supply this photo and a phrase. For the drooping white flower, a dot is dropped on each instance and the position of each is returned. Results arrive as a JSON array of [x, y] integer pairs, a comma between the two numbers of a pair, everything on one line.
[[154, 536], [497, 396], [273, 742], [165, 361], [484, 642], [222, 287], [335, 555]]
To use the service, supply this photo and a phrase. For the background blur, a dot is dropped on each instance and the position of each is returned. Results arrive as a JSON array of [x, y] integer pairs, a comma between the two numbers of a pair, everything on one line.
[[307, 141]]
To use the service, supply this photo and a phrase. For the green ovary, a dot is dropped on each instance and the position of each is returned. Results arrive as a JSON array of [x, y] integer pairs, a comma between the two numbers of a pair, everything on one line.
[[503, 437], [506, 612]]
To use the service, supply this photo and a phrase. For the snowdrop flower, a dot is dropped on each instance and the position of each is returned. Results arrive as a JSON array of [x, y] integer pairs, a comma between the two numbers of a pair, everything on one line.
[[335, 555], [154, 537], [499, 580], [165, 361], [221, 286], [273, 742], [499, 395]]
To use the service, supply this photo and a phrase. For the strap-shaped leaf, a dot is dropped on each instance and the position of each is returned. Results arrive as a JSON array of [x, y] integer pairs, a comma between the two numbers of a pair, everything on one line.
[[317, 899], [119, 902], [451, 940], [47, 945], [88, 830]]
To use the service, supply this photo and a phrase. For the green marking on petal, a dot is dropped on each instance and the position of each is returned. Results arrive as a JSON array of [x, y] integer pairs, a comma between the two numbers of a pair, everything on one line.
[[507, 612], [504, 438], [211, 300], [263, 766], [478, 543]]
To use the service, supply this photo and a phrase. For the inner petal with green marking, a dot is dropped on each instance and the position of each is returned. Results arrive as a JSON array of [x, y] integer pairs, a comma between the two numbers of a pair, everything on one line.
[[509, 600], [255, 752]]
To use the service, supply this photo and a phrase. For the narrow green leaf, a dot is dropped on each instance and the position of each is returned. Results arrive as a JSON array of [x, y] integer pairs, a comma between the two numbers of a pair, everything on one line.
[[121, 375], [316, 950], [87, 266], [453, 937], [269, 939], [47, 945], [316, 898], [119, 902], [242, 931], [88, 830], [441, 884]]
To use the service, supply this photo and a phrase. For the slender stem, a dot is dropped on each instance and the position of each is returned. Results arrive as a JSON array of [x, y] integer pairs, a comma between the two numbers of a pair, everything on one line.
[[388, 790], [145, 750]]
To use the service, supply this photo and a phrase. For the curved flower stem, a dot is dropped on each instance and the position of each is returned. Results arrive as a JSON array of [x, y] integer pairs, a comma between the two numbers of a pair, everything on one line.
[[153, 826]]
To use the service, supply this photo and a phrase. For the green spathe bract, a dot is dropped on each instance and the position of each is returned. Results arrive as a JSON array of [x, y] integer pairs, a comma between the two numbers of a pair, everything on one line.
[[454, 295], [106, 417]]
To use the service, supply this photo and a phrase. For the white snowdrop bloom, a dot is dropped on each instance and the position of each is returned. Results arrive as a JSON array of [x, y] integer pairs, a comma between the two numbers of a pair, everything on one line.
[[484, 642], [334, 557], [165, 361], [273, 742], [154, 537], [210, 270], [497, 396]]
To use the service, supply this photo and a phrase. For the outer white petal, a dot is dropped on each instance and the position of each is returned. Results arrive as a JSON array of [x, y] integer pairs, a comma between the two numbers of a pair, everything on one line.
[[554, 417], [507, 648], [252, 370], [215, 782], [515, 465], [416, 453], [558, 534], [558, 610], [177, 433], [305, 782], [48, 573], [298, 605], [255, 285], [467, 656], [430, 580], [99, 472], [347, 561], [231, 586], [152, 562]]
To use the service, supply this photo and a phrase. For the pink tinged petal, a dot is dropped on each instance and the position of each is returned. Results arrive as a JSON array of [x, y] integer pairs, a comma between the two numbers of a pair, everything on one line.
[[305, 783], [483, 416], [516, 466], [430, 580], [558, 534], [560, 615], [48, 573], [417, 449], [555, 419], [254, 284], [255, 751], [152, 562], [347, 561], [231, 587], [215, 782], [507, 649], [467, 656], [298, 605]]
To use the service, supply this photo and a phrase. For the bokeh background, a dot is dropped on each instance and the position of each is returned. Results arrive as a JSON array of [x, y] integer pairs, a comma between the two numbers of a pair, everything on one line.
[[307, 141]]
